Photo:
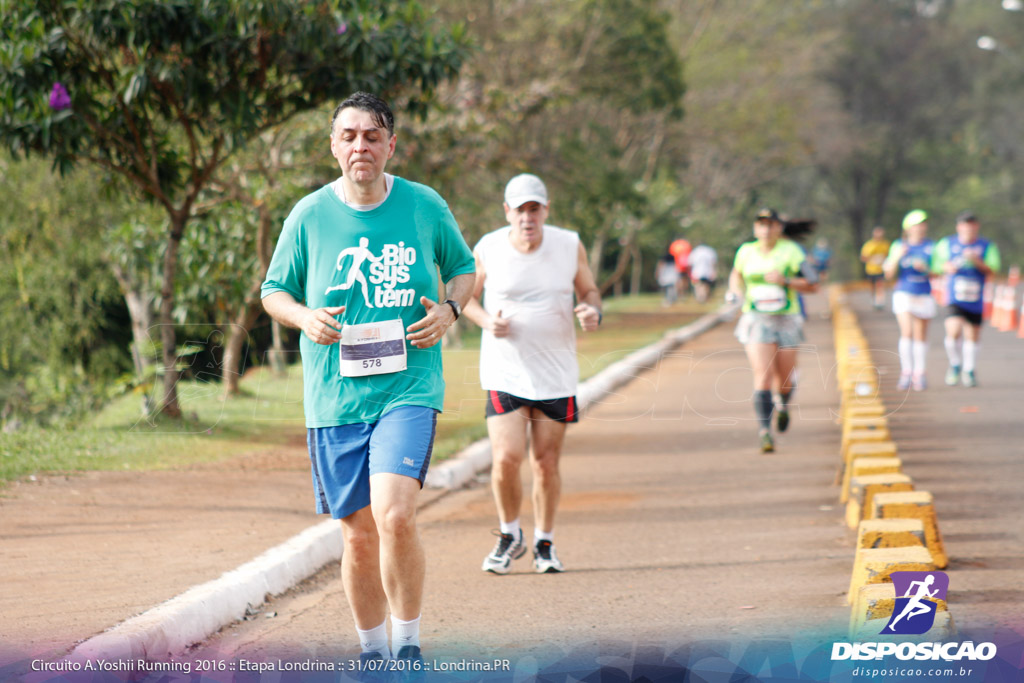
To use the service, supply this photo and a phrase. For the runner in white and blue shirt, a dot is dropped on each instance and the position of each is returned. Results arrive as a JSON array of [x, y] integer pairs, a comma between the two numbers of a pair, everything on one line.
[[967, 260], [909, 263]]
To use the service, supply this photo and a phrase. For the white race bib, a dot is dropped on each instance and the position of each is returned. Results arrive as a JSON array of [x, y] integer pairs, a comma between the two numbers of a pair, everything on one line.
[[768, 298], [372, 348], [965, 289]]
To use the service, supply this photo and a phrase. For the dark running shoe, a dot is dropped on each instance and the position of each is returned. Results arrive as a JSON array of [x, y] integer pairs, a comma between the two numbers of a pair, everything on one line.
[[783, 417], [409, 664], [507, 548], [373, 668]]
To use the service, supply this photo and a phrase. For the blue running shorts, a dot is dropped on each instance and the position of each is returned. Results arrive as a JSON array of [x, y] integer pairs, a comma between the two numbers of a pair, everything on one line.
[[344, 457]]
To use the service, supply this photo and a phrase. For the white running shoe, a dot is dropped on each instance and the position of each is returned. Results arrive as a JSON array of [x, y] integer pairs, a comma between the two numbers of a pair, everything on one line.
[[545, 560], [507, 548]]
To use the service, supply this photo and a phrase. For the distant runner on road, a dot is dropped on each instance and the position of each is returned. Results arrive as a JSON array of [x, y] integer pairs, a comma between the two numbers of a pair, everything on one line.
[[768, 273], [909, 263], [873, 255], [967, 261], [528, 273], [373, 381], [703, 271]]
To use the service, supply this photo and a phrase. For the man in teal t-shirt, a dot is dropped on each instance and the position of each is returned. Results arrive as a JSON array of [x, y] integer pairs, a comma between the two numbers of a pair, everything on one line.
[[356, 269]]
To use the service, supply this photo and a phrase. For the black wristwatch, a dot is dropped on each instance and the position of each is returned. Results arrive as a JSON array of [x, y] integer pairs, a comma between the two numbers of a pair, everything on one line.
[[456, 308]]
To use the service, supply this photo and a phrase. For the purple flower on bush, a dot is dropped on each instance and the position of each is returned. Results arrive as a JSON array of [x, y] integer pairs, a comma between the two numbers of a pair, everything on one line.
[[342, 27], [59, 98]]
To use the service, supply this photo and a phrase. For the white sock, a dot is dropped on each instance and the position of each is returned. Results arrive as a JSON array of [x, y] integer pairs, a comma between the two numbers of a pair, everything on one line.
[[375, 640], [920, 357], [906, 355], [404, 633], [539, 535], [970, 354], [953, 351], [510, 527]]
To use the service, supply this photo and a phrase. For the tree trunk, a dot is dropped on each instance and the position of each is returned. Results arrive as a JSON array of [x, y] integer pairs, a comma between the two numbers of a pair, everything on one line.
[[231, 371], [169, 405], [597, 254], [140, 311], [614, 280], [277, 363], [252, 308], [637, 274]]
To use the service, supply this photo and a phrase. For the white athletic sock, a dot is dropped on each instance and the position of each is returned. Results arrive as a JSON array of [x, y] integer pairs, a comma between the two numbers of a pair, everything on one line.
[[906, 355], [920, 357], [510, 527], [404, 633], [375, 640], [953, 351], [539, 536], [970, 354]]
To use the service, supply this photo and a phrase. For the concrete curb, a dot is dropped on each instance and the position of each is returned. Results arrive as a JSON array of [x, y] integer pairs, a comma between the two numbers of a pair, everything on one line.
[[201, 611], [204, 609]]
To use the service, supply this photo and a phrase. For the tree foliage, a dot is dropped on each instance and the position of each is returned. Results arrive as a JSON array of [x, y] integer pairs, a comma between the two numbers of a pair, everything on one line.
[[163, 92], [60, 307]]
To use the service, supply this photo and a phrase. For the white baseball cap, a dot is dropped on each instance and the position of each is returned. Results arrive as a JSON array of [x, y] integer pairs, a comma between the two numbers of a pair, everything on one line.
[[525, 187]]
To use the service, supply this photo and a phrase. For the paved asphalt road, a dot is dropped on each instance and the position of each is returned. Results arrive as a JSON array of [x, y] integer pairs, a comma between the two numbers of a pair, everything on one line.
[[675, 530]]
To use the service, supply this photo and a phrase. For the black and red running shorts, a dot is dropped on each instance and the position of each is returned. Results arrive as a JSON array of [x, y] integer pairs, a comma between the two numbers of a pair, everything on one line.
[[558, 409]]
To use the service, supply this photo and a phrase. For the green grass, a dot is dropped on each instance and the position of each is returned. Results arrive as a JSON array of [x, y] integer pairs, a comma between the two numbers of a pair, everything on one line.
[[268, 414]]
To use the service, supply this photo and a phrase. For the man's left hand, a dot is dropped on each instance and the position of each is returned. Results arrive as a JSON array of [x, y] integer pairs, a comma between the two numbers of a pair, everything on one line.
[[429, 330], [588, 315]]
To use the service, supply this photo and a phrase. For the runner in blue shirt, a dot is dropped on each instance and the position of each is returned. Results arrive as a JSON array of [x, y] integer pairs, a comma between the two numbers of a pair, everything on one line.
[[909, 263], [967, 260]]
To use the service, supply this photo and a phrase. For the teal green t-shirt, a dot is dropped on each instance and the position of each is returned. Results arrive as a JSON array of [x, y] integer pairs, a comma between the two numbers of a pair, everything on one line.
[[753, 264], [377, 264]]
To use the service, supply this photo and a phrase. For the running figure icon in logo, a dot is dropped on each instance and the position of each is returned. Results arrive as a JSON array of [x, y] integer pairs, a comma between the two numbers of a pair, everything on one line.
[[917, 596]]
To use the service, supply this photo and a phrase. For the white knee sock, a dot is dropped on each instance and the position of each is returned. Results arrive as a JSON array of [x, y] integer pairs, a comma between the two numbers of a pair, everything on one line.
[[920, 357], [970, 354], [953, 351], [906, 355], [375, 640], [404, 633], [510, 527]]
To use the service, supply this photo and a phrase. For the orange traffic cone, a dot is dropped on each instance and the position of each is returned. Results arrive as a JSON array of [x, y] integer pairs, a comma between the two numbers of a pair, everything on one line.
[[997, 308], [1020, 328], [987, 296], [1011, 309]]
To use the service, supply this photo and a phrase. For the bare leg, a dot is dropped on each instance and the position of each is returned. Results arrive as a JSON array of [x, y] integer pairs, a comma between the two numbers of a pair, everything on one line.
[[785, 364], [761, 358], [508, 449], [545, 452], [402, 564], [360, 569]]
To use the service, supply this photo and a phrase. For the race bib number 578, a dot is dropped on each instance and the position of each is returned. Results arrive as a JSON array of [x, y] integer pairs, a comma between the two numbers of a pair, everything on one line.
[[373, 348]]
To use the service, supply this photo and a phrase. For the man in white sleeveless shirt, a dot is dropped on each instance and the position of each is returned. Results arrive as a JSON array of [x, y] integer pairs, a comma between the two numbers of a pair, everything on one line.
[[529, 272]]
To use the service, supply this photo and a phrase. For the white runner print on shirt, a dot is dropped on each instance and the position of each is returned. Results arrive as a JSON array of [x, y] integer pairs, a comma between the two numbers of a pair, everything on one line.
[[389, 269]]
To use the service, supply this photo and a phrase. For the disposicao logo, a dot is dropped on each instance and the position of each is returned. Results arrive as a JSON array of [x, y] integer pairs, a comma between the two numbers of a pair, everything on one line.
[[917, 596]]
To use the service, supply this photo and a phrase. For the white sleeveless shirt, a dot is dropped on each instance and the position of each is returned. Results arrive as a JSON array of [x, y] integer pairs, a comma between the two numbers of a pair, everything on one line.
[[537, 361]]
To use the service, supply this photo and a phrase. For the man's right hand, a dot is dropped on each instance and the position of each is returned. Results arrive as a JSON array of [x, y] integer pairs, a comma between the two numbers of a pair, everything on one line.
[[499, 326], [320, 325]]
